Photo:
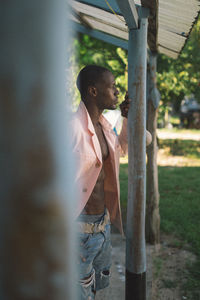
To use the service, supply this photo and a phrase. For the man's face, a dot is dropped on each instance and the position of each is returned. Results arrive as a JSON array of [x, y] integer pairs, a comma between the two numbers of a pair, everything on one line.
[[107, 93]]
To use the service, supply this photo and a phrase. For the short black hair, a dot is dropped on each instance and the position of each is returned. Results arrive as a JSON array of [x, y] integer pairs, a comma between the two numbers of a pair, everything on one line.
[[88, 76]]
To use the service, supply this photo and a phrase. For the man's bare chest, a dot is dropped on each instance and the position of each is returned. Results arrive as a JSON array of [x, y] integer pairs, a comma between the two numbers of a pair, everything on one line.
[[102, 142]]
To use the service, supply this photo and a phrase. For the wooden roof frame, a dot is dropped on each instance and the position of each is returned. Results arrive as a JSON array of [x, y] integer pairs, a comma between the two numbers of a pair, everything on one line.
[[158, 26]]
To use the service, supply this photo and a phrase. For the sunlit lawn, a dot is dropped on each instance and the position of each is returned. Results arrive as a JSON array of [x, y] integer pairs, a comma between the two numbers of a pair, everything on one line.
[[180, 130], [179, 188]]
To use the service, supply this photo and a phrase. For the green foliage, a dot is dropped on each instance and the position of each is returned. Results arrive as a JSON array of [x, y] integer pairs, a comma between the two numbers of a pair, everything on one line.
[[175, 78], [180, 77]]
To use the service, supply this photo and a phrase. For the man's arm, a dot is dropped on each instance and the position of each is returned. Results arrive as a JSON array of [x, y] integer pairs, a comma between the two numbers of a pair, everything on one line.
[[148, 138], [123, 138]]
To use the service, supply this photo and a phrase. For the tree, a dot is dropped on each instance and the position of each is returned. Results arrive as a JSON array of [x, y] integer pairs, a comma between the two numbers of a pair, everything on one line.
[[180, 77]]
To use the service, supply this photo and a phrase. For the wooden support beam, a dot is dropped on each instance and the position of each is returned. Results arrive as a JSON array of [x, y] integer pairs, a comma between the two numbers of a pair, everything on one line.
[[129, 11], [135, 229], [103, 5], [99, 14], [102, 36], [152, 36], [80, 17], [152, 207]]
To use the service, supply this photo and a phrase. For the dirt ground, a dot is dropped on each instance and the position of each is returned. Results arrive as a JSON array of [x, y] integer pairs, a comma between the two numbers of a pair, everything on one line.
[[166, 270], [178, 135], [169, 271]]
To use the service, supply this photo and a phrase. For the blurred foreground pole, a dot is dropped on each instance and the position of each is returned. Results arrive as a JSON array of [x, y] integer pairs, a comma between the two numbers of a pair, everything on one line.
[[36, 234], [135, 230]]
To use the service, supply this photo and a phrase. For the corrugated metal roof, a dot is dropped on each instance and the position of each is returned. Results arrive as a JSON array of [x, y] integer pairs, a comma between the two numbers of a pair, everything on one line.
[[175, 19], [101, 19]]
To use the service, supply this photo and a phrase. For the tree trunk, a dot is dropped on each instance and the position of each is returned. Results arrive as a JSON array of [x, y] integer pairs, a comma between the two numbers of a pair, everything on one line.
[[152, 202]]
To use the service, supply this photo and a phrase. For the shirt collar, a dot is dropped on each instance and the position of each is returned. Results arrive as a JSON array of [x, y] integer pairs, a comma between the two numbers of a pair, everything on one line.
[[104, 122], [83, 111]]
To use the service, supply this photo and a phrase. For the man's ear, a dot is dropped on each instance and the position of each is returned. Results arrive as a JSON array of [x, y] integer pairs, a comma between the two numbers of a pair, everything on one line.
[[92, 91]]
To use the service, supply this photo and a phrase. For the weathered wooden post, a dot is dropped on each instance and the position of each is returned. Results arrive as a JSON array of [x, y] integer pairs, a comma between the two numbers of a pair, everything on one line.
[[152, 209], [135, 230], [36, 230]]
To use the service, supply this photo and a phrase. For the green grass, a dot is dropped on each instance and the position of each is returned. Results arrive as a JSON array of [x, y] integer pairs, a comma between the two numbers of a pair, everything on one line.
[[123, 177], [192, 284], [169, 284], [179, 189], [180, 203], [158, 263], [180, 214], [186, 148]]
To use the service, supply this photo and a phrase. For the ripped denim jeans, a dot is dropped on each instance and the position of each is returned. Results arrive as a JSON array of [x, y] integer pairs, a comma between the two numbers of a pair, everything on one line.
[[94, 262]]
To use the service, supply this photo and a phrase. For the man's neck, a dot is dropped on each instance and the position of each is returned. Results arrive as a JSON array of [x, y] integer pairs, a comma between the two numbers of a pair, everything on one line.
[[94, 113]]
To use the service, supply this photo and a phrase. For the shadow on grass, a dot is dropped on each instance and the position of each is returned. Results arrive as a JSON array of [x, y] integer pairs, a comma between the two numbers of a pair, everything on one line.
[[187, 148]]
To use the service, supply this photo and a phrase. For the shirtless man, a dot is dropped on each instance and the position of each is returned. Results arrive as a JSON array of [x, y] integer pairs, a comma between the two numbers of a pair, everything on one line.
[[97, 150]]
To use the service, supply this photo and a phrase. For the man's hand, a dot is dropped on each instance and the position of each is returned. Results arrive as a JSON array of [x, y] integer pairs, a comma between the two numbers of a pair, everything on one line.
[[125, 105]]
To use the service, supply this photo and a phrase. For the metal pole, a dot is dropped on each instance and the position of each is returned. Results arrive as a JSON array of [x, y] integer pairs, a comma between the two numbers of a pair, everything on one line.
[[36, 192], [135, 230]]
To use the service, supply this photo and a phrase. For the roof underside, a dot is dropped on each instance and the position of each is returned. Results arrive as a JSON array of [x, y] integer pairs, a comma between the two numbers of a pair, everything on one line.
[[170, 22]]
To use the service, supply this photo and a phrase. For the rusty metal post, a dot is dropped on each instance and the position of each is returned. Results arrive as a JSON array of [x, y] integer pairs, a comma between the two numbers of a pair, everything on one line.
[[135, 230], [36, 230]]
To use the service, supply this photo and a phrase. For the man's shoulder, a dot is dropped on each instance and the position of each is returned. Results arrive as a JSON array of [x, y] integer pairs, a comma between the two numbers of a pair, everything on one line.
[[77, 127], [75, 120]]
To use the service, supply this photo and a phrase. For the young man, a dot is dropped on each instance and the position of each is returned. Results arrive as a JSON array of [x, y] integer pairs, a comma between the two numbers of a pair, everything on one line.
[[97, 150]]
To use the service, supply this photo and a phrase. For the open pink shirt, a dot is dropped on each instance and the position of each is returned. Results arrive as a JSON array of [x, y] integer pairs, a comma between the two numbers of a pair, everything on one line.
[[88, 158]]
